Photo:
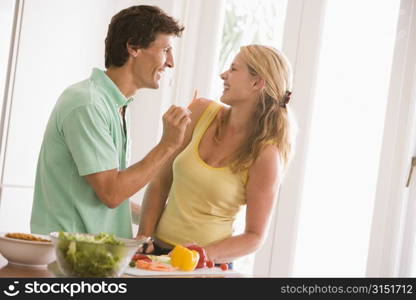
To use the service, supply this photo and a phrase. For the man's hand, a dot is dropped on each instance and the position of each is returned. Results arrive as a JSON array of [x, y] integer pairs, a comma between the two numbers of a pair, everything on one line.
[[175, 121]]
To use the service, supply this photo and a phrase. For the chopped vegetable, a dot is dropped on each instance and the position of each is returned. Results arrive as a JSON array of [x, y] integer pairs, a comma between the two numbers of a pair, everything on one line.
[[153, 266], [152, 262], [90, 256], [164, 259], [202, 255], [183, 258], [141, 256], [224, 267], [101, 238]]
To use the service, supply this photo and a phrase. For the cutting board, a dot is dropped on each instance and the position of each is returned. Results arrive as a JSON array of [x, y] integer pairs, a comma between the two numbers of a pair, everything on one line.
[[134, 272], [203, 272]]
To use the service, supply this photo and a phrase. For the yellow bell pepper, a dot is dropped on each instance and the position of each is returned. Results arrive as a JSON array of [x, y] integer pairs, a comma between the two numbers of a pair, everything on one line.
[[183, 258]]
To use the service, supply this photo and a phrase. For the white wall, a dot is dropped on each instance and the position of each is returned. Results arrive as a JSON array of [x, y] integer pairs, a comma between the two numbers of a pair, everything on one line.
[[60, 42]]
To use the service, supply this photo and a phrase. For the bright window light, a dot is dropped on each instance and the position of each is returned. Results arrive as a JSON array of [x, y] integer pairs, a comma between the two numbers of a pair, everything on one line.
[[247, 22], [6, 22], [346, 138]]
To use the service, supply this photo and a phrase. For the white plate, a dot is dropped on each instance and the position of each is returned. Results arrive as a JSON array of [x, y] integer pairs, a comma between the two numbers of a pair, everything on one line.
[[203, 272], [23, 252]]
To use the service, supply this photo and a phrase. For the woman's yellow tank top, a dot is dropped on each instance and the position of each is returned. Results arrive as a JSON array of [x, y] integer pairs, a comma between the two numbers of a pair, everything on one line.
[[203, 200]]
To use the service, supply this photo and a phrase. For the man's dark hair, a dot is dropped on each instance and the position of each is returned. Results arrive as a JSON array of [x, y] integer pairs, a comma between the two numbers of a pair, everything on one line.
[[137, 26]]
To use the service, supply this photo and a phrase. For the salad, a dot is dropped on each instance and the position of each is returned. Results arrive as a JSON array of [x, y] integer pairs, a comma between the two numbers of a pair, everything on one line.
[[90, 255]]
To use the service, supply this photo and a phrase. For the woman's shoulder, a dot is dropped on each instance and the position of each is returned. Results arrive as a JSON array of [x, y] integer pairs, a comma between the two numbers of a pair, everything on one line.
[[268, 160], [269, 152], [198, 106]]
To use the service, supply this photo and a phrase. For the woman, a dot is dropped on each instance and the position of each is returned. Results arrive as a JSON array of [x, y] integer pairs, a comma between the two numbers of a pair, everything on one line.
[[232, 155]]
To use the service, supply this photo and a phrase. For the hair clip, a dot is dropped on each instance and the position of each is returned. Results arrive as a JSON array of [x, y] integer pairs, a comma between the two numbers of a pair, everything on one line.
[[286, 99]]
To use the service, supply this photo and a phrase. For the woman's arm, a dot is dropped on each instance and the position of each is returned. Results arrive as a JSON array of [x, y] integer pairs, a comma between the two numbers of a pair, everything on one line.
[[154, 200], [158, 189], [261, 193]]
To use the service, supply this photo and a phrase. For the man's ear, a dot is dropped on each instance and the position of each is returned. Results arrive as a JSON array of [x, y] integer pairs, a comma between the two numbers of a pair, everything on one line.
[[132, 50]]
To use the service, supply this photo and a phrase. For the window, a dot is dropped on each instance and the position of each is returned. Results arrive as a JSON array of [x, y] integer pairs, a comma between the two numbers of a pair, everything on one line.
[[248, 22], [6, 22], [346, 138]]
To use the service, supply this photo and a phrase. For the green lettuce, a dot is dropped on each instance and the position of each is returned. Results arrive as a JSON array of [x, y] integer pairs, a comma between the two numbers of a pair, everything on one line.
[[90, 256]]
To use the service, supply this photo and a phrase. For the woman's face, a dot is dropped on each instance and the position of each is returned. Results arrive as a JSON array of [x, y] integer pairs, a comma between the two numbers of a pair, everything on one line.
[[239, 84]]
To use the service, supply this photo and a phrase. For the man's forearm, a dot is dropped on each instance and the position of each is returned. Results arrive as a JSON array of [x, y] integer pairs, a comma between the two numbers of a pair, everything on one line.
[[134, 178]]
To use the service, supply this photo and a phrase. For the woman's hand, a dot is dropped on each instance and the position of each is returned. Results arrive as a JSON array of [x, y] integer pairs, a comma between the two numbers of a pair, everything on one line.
[[147, 246], [202, 255]]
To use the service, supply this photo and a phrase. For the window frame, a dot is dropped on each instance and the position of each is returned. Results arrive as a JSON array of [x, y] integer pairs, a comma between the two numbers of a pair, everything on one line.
[[304, 20], [393, 227]]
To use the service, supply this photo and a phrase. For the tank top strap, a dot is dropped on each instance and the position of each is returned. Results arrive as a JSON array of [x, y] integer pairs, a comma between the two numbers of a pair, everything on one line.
[[206, 118]]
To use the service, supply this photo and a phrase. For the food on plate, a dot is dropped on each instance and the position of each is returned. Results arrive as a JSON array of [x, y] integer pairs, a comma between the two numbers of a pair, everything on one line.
[[202, 255], [153, 266], [210, 264], [224, 267], [89, 255], [184, 258], [26, 237], [164, 259], [140, 256], [180, 258], [152, 262]]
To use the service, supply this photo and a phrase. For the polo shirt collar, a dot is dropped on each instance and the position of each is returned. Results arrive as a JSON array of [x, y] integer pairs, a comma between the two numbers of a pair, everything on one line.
[[103, 81]]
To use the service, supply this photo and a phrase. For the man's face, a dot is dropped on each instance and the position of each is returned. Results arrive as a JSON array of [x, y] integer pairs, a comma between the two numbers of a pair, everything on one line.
[[150, 63]]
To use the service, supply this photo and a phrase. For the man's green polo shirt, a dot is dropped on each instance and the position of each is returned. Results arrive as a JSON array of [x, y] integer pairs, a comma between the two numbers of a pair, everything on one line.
[[84, 135]]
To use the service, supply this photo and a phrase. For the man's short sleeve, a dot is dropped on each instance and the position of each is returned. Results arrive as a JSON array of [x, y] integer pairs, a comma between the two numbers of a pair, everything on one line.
[[87, 135]]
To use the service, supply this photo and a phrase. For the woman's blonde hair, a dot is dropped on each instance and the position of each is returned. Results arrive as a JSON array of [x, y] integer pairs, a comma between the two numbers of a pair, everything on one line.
[[271, 121]]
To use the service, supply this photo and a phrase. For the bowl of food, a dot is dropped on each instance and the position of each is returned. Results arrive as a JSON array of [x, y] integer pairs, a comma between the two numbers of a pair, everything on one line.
[[93, 255], [26, 249]]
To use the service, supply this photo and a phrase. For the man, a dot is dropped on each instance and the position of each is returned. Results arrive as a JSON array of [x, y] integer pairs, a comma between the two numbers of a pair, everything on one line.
[[82, 183]]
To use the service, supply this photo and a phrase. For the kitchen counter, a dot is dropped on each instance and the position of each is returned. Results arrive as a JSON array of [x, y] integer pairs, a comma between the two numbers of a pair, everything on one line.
[[11, 270]]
